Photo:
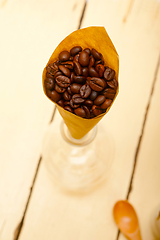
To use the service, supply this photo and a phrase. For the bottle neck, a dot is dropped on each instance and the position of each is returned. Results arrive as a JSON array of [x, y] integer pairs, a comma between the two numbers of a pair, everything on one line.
[[89, 137]]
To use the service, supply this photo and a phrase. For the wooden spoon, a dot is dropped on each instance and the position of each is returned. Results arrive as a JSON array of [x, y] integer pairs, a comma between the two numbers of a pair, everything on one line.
[[127, 220]]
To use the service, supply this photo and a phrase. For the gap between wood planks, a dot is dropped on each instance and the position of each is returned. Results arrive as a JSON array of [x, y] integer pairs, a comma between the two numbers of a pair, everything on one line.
[[18, 229], [142, 131]]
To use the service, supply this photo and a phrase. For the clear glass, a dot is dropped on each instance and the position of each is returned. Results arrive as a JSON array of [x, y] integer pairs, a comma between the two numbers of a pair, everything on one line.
[[77, 164]]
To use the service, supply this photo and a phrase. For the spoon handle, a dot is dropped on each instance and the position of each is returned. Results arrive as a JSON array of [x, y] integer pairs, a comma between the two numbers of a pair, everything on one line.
[[135, 236]]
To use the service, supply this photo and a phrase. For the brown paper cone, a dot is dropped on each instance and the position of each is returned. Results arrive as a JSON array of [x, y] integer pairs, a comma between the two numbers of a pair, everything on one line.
[[91, 37]]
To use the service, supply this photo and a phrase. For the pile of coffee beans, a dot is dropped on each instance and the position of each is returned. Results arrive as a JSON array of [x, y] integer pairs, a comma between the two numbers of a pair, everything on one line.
[[80, 82]]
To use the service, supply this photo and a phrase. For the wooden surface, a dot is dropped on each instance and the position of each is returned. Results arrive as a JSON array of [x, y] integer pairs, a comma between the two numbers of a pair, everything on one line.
[[31, 205]]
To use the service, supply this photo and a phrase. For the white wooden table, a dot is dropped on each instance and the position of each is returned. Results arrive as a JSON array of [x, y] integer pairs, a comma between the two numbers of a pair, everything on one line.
[[31, 206]]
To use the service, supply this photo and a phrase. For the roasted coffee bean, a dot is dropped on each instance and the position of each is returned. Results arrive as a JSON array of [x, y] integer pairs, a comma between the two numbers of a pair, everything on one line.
[[85, 91], [106, 104], [59, 89], [83, 58], [52, 68], [96, 54], [70, 58], [76, 57], [68, 108], [49, 83], [92, 72], [77, 68], [99, 100], [67, 96], [79, 79], [73, 104], [68, 64], [58, 73], [87, 50], [96, 110], [113, 84], [66, 103], [100, 69], [109, 93], [63, 81], [77, 99], [109, 74], [72, 77], [80, 112], [48, 75], [69, 90], [85, 72], [61, 103], [64, 56], [93, 95], [75, 50], [91, 61], [87, 111], [101, 61], [88, 103], [97, 84], [55, 96], [65, 70], [75, 87]]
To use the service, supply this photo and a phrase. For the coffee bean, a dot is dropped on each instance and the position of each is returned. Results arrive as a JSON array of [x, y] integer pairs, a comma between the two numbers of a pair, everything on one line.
[[113, 84], [68, 64], [69, 90], [96, 111], [75, 87], [77, 99], [88, 103], [65, 70], [100, 69], [109, 74], [72, 77], [64, 56], [66, 96], [85, 91], [49, 83], [59, 89], [55, 96], [68, 108], [73, 104], [87, 50], [61, 103], [109, 93], [75, 50], [85, 72], [58, 73], [66, 103], [63, 81], [106, 104], [76, 57], [97, 84], [87, 111], [77, 68], [99, 100], [80, 112], [92, 72], [96, 54], [93, 95], [79, 79], [83, 58], [91, 61]]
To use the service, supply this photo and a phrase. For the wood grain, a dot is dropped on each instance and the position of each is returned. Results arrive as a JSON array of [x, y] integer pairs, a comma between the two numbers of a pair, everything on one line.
[[30, 30]]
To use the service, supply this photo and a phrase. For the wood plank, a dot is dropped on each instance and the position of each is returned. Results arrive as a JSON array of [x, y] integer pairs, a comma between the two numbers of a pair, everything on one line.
[[30, 31], [145, 194], [66, 216]]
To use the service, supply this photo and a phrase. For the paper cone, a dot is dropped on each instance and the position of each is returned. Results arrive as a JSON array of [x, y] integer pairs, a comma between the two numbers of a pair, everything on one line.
[[91, 37]]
